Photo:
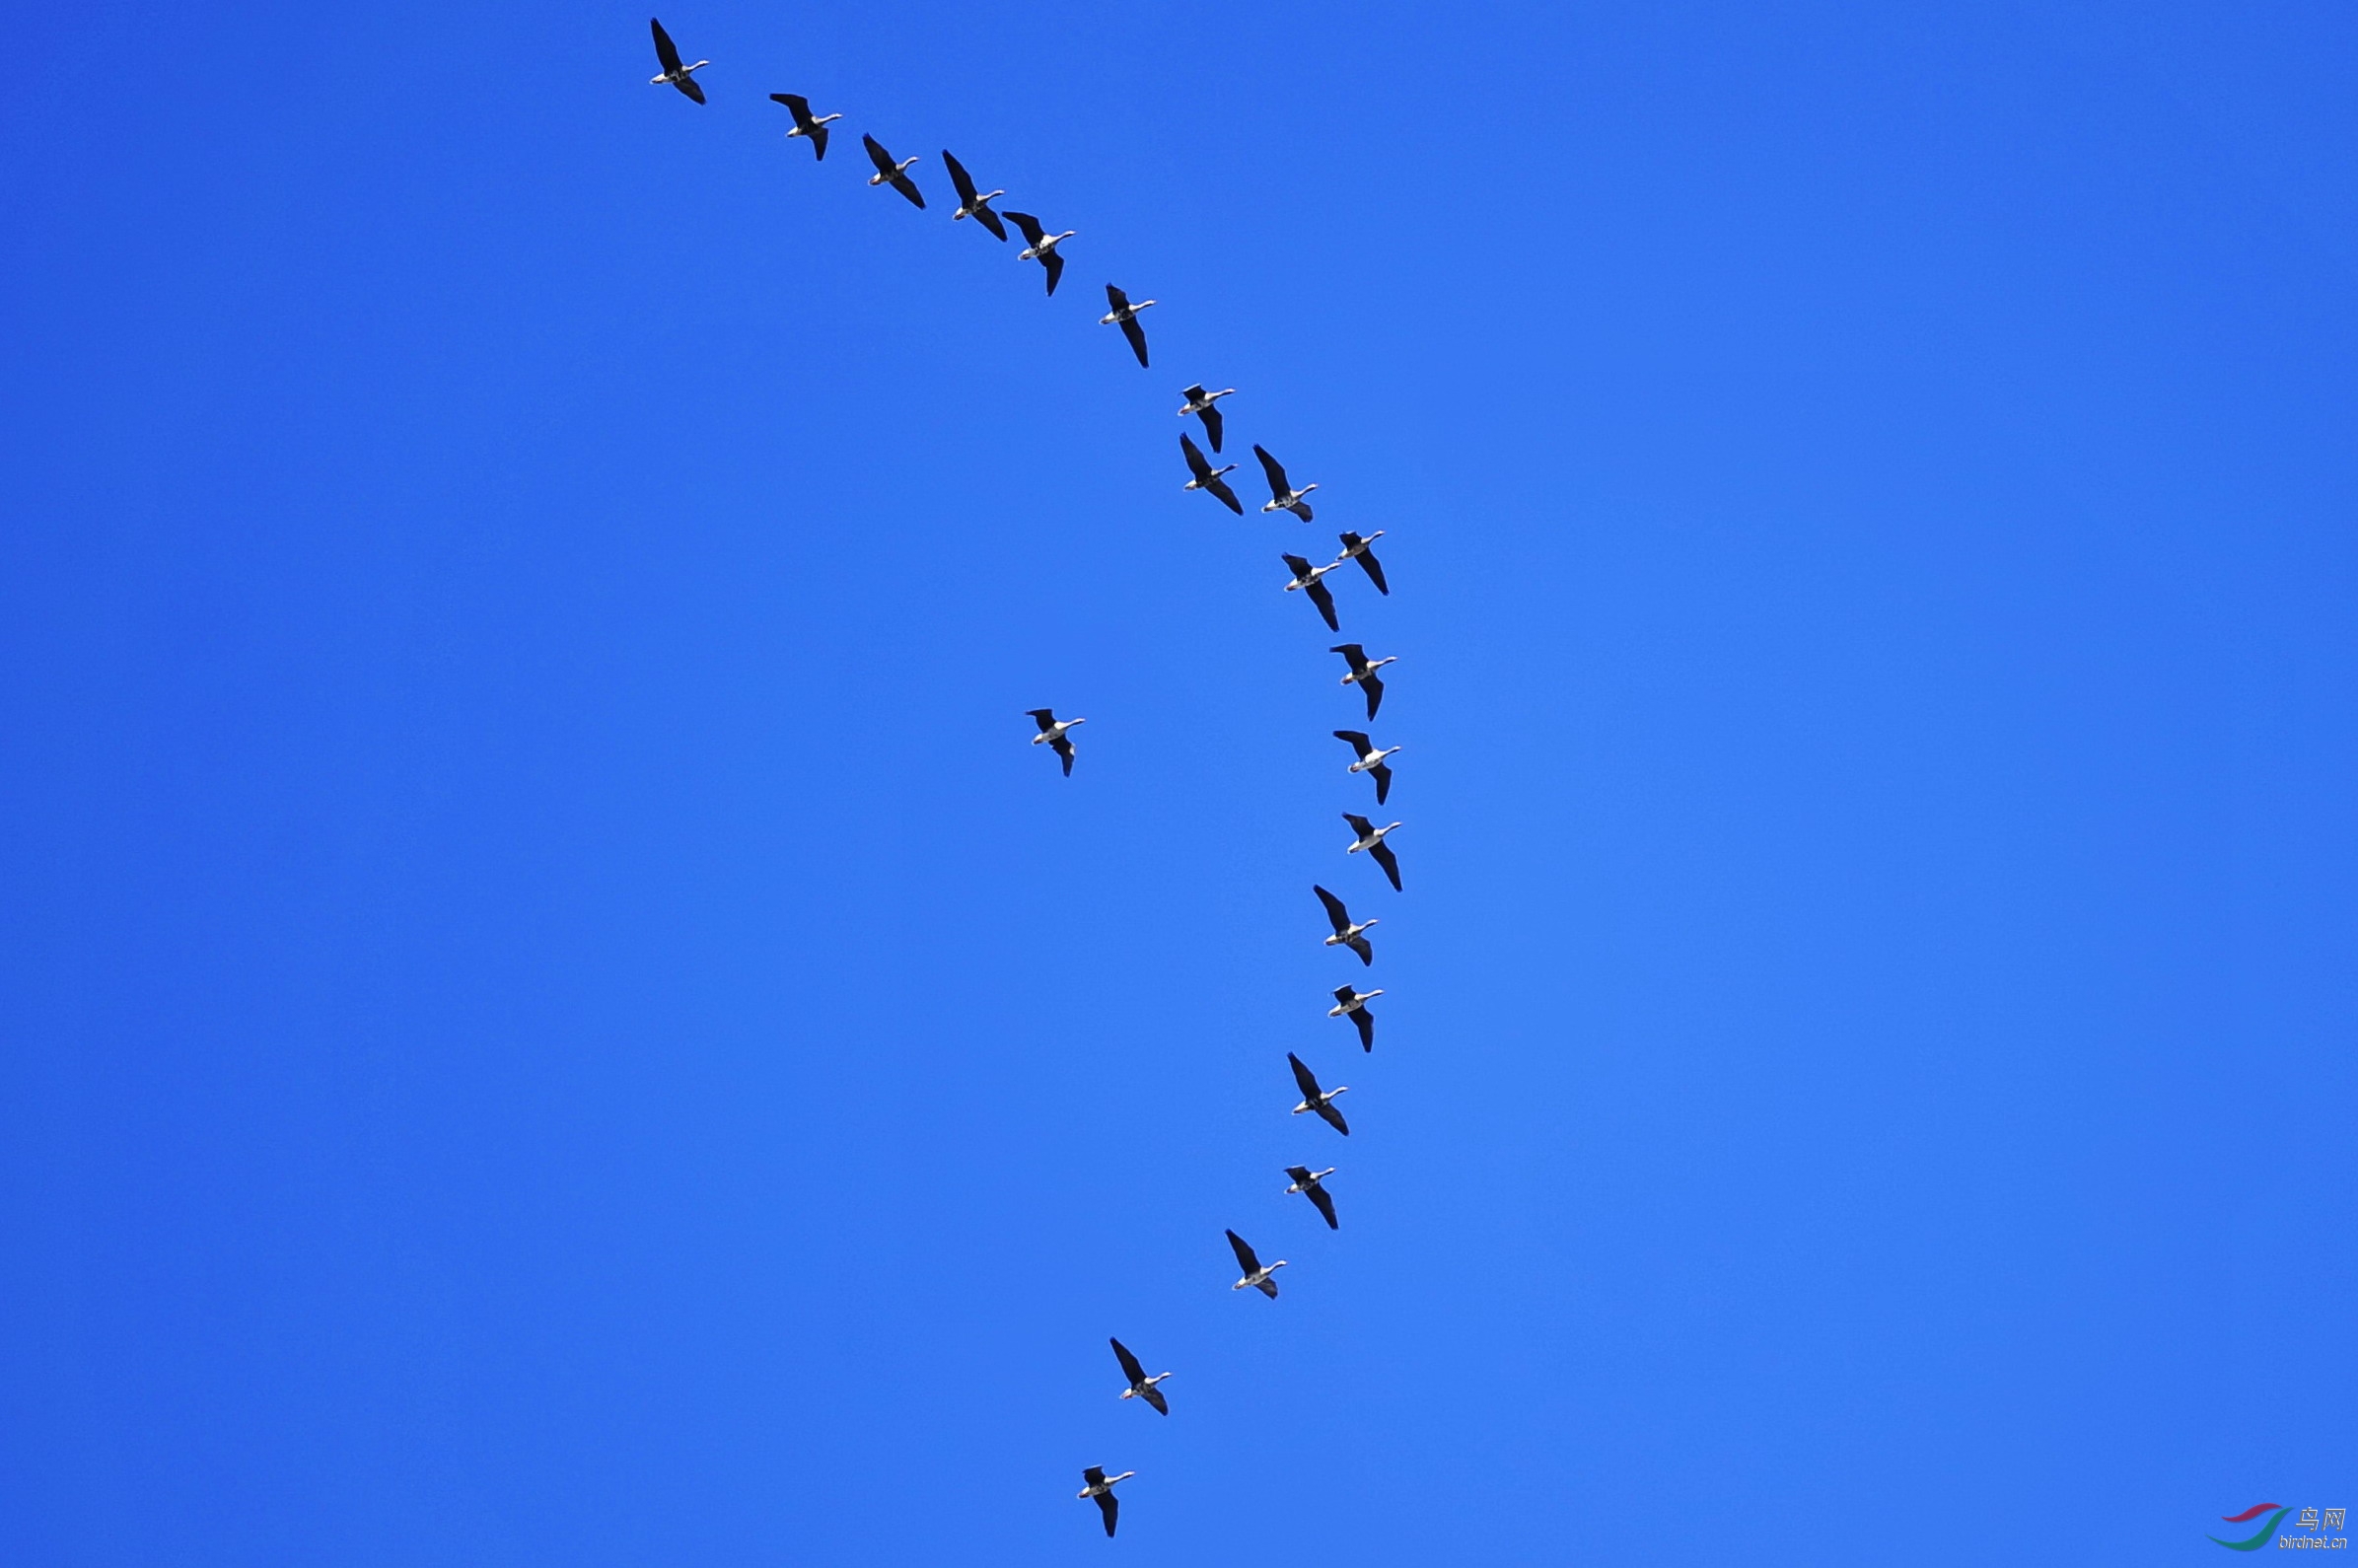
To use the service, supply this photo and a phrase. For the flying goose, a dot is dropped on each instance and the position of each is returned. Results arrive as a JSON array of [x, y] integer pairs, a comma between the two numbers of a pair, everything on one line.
[[1256, 1275], [895, 175], [804, 125], [971, 205], [1099, 1486], [1199, 403], [1353, 1005], [1371, 839], [1356, 548], [1051, 735], [1207, 478], [1142, 1386], [1346, 934], [1124, 314], [1283, 497], [682, 77], [1306, 578], [1040, 246], [1306, 1182], [1371, 761], [1318, 1101], [1363, 672]]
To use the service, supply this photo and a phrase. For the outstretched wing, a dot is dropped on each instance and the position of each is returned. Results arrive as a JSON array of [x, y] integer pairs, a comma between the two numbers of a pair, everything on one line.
[[665, 53], [1094, 1476], [816, 136], [1137, 336], [1367, 1028], [1278, 488], [1198, 463], [1211, 425], [877, 156], [1268, 1288], [1357, 740], [1382, 774], [1391, 867], [1333, 1117], [1360, 946], [1046, 718], [1130, 1368], [990, 220], [1325, 602], [1154, 1397], [1375, 571], [960, 178], [1359, 824], [691, 85], [1353, 654], [1033, 231], [1227, 498], [908, 187], [1301, 509], [1054, 262], [1062, 745], [1243, 1250], [1326, 1205], [1303, 1079], [1372, 685], [1300, 1173], [1337, 913], [1300, 566], [1117, 299], [1110, 1506]]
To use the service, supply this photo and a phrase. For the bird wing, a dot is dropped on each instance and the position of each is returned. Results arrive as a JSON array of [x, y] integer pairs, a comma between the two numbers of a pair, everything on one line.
[[1137, 336], [1110, 1506], [1357, 740], [1094, 1476], [1303, 1079], [1054, 262], [1211, 425], [1359, 824], [1046, 718], [665, 53], [1382, 774], [1375, 571], [1336, 912], [691, 85], [1129, 1363], [1300, 566], [1372, 685], [1198, 463], [1154, 1397], [990, 220], [1119, 300], [1278, 488], [796, 105], [1062, 745], [1353, 654], [1227, 498], [877, 155], [1367, 1028], [908, 187], [1362, 947], [960, 178], [1243, 1250], [1333, 1117], [817, 135], [1390, 863], [1325, 602], [1033, 231], [1343, 994], [1268, 1288], [1326, 1204], [1300, 1173]]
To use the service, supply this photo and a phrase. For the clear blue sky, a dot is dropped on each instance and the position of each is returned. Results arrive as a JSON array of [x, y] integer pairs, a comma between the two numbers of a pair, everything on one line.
[[552, 1018]]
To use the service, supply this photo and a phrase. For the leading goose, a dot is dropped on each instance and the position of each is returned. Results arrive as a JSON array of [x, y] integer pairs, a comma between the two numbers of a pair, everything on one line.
[[1207, 478], [812, 130], [666, 55], [1371, 761], [1199, 403], [1306, 578], [1318, 1101], [1371, 839], [1142, 1386], [1097, 1484], [895, 175], [1053, 734], [971, 205], [1256, 1276], [1040, 246], [1353, 1005], [1283, 497], [1347, 933], [1125, 316], [1307, 1182]]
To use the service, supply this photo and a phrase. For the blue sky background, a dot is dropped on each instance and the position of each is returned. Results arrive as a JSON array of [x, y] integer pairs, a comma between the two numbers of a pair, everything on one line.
[[552, 1018]]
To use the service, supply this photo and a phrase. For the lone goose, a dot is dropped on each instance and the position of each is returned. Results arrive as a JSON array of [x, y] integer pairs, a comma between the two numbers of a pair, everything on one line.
[[1124, 314], [1356, 548], [971, 205], [816, 131], [1283, 497], [1371, 839], [1099, 1486], [1256, 1275], [667, 55], [1051, 735], [1346, 933], [1306, 578], [1207, 478], [1353, 1005], [1363, 672], [1318, 1101], [1306, 1182], [1142, 1386], [1199, 403], [1371, 761], [895, 175], [1040, 246]]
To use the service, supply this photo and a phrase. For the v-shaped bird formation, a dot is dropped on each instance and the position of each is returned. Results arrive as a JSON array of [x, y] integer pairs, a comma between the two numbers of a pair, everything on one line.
[[1308, 578]]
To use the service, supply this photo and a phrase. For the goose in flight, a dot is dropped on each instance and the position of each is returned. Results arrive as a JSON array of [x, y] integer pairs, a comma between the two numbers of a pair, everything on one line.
[[1255, 1276], [1142, 1386], [1051, 735], [1306, 578], [1363, 672], [971, 205], [1283, 497], [1199, 403], [1371, 761], [1040, 246], [1356, 548], [1097, 1484], [1353, 1005], [1318, 1101], [1371, 839], [1124, 314], [816, 131], [1347, 933], [895, 175], [1307, 1182], [1207, 478], [667, 55]]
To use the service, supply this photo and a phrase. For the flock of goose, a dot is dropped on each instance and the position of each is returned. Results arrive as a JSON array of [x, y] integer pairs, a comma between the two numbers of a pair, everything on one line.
[[1056, 734]]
